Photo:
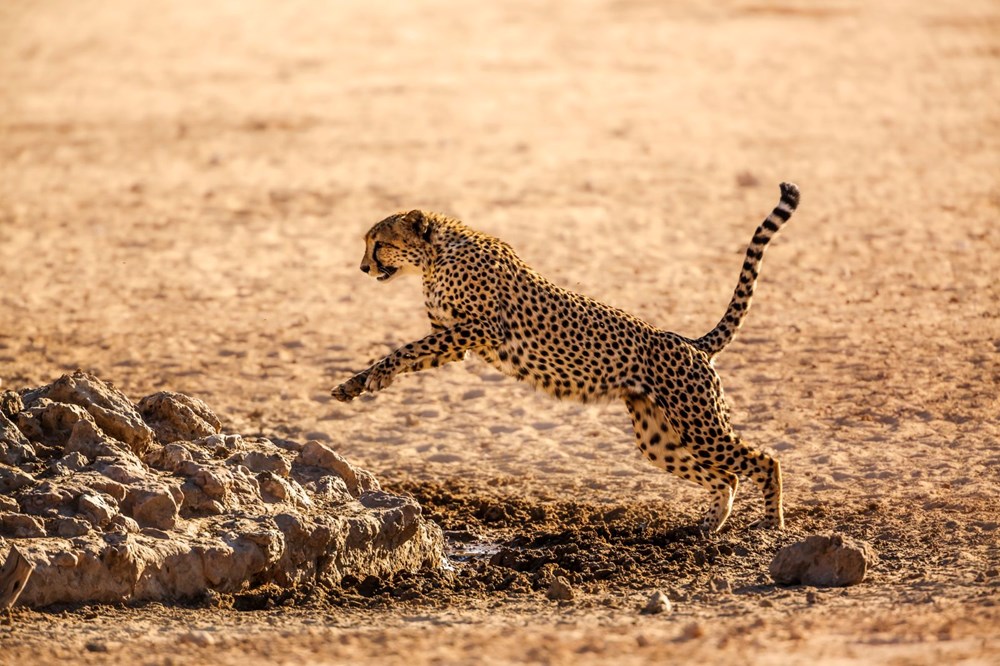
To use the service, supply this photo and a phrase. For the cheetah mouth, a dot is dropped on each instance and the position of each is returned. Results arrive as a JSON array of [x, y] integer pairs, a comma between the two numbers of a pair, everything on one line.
[[385, 272]]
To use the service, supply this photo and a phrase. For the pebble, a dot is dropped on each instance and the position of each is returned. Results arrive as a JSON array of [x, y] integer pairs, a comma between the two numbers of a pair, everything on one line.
[[560, 589], [720, 585], [657, 604], [692, 631]]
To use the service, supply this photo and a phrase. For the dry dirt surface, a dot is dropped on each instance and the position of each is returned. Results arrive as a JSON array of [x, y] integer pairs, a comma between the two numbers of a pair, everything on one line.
[[184, 185]]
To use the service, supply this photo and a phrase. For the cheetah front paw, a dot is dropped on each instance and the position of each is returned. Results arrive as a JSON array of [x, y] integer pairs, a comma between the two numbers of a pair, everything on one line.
[[350, 389], [379, 378]]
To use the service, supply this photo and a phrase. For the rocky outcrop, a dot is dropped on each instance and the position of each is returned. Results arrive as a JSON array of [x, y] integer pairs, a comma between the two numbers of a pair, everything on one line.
[[112, 502]]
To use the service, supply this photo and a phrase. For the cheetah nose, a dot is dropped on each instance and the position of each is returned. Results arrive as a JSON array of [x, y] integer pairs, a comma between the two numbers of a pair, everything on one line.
[[364, 268]]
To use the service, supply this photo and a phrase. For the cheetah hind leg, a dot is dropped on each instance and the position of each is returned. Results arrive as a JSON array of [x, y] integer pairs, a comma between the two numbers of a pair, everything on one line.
[[731, 455], [768, 477], [661, 445]]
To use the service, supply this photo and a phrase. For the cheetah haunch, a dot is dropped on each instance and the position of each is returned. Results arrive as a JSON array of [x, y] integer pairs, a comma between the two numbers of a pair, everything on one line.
[[482, 298]]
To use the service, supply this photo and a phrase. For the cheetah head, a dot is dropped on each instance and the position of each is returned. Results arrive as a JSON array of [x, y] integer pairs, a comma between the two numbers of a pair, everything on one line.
[[397, 245]]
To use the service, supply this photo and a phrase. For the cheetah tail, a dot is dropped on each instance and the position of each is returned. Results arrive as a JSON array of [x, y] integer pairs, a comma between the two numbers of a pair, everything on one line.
[[716, 340]]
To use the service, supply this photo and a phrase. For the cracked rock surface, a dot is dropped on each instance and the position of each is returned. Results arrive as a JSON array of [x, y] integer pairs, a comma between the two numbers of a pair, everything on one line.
[[113, 501]]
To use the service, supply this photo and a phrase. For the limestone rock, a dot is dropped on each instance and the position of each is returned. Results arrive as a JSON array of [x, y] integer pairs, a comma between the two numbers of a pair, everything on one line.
[[13, 478], [320, 455], [68, 527], [282, 489], [89, 440], [14, 446], [21, 526], [10, 403], [823, 561], [97, 508], [262, 462], [69, 463], [175, 416], [50, 423], [153, 505], [47, 498], [108, 407], [121, 515]]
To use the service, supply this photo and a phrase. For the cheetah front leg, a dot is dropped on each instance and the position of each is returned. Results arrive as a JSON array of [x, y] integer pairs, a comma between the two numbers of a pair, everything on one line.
[[431, 351]]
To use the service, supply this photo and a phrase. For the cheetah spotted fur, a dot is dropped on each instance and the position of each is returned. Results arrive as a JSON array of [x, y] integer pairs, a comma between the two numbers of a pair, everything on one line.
[[482, 298]]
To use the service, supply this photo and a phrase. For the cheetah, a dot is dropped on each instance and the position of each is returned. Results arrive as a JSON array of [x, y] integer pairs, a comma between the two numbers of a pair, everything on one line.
[[482, 298]]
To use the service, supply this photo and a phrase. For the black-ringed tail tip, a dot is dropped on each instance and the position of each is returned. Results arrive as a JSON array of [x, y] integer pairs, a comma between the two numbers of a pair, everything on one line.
[[790, 195]]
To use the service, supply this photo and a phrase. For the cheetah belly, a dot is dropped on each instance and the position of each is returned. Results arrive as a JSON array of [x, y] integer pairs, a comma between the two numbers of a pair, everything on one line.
[[550, 368]]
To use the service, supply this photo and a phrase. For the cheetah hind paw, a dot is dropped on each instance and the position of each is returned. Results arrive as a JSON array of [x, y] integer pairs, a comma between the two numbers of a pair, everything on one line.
[[768, 523]]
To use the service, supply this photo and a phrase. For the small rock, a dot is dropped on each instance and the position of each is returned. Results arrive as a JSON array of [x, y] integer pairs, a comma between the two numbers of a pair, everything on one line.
[[272, 484], [333, 488], [720, 585], [152, 506], [320, 455], [122, 524], [170, 457], [107, 406], [90, 441], [65, 560], [258, 461], [123, 470], [221, 445], [69, 527], [560, 590], [199, 638], [175, 416], [98, 510], [9, 504], [104, 485], [283, 489], [69, 463], [10, 403], [46, 498], [823, 561], [21, 526], [15, 448], [96, 646], [658, 603], [215, 483], [370, 586], [12, 478], [50, 423], [196, 502], [692, 631]]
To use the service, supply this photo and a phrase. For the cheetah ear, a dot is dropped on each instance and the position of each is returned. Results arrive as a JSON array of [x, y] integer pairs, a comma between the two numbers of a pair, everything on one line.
[[419, 223]]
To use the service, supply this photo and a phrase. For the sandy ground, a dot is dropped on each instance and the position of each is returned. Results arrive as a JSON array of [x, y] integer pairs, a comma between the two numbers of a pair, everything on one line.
[[184, 185]]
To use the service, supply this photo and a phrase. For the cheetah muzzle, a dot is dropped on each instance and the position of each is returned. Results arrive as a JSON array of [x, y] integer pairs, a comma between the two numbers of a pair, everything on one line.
[[482, 298]]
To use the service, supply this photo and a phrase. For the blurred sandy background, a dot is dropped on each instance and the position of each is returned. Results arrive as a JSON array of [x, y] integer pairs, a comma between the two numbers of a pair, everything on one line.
[[184, 187]]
